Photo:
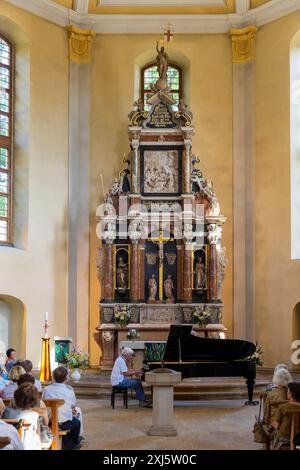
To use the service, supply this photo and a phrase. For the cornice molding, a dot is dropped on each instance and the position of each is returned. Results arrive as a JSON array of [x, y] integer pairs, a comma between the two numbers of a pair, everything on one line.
[[161, 3], [134, 24]]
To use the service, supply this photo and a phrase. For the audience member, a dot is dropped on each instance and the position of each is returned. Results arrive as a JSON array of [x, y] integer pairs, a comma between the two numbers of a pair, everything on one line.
[[14, 375], [273, 386], [7, 430], [121, 376], [281, 379], [28, 366], [11, 359], [282, 419], [3, 372], [25, 399], [67, 421]]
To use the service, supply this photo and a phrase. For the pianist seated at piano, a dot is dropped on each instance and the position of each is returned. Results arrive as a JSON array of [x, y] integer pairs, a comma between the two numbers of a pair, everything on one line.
[[122, 376]]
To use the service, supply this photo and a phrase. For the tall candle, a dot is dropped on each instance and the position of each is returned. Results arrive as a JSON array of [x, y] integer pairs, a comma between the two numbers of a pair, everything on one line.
[[46, 316]]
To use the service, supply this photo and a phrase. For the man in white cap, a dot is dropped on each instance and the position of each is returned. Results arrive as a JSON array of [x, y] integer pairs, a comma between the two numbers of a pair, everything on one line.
[[121, 376]]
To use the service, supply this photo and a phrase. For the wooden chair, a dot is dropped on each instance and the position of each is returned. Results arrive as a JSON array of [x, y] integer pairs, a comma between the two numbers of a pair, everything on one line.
[[54, 404], [295, 426], [4, 441]]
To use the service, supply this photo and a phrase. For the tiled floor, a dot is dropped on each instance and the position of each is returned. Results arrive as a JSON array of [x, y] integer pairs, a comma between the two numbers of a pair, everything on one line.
[[208, 425]]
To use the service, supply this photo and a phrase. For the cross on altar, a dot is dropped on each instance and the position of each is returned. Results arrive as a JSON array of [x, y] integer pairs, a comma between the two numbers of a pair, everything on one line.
[[168, 34], [160, 241]]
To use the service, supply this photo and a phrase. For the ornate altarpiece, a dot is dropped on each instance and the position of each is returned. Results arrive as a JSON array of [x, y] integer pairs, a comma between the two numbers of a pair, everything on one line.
[[159, 268]]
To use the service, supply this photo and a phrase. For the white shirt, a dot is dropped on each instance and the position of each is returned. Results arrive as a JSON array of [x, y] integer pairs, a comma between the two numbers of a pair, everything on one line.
[[9, 390], [38, 385], [61, 392], [119, 367], [7, 430]]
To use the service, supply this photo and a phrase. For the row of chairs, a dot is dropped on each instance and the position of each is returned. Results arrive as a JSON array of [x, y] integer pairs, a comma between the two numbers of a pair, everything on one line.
[[295, 420]]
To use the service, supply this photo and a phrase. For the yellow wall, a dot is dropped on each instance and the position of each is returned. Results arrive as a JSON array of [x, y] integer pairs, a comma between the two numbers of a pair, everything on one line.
[[210, 83], [277, 276], [37, 275]]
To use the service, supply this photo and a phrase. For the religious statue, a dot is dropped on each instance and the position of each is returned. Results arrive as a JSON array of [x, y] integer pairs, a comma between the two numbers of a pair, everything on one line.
[[168, 288], [200, 274], [152, 287], [122, 274], [162, 62]]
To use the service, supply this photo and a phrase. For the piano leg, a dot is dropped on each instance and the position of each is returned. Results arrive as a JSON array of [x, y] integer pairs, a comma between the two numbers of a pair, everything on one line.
[[250, 385]]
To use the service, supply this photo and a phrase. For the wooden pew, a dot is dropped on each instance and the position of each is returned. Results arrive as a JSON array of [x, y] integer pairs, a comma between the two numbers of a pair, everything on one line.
[[4, 441], [53, 404], [22, 425]]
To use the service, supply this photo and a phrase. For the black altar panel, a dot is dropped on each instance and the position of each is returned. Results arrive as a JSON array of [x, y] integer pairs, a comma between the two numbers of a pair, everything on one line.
[[200, 273], [161, 170], [121, 265], [170, 264], [151, 266]]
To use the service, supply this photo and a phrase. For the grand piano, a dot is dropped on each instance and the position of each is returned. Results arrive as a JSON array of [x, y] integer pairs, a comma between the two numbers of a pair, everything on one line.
[[194, 356]]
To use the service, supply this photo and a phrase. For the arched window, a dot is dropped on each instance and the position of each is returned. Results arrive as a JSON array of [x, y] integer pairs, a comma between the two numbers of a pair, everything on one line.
[[6, 126], [149, 75]]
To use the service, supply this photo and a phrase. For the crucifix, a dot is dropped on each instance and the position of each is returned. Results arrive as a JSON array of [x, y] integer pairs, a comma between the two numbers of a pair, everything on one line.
[[159, 242]]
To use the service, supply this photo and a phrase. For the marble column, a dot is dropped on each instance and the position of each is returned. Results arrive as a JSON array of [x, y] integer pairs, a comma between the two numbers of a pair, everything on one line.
[[214, 234], [108, 348], [180, 271], [243, 57], [142, 270], [134, 271], [79, 184], [108, 273], [187, 272]]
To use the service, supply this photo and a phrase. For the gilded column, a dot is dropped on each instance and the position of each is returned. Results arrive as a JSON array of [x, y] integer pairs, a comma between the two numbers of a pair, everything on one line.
[[243, 58], [109, 273], [214, 234], [80, 44]]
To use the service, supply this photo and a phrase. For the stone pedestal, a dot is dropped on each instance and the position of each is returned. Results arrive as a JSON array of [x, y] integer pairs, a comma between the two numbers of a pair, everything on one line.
[[163, 381]]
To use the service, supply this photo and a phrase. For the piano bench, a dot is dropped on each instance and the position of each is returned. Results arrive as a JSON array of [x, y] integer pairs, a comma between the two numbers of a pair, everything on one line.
[[119, 391]]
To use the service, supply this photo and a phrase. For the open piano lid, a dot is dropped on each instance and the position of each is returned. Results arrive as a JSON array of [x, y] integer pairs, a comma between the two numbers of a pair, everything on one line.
[[184, 346]]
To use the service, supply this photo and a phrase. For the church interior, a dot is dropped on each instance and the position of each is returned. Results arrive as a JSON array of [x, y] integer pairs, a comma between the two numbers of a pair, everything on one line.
[[150, 214]]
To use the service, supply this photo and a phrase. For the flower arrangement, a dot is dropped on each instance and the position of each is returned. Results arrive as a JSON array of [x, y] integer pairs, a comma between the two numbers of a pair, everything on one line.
[[200, 316], [133, 334], [121, 315], [257, 356], [77, 359]]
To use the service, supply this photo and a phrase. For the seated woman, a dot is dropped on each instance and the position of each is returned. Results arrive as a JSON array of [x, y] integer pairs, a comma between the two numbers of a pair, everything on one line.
[[281, 379], [42, 409], [282, 420], [14, 375], [25, 399], [7, 430], [273, 386]]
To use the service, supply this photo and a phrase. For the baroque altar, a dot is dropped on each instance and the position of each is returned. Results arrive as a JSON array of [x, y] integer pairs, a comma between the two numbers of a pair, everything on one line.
[[160, 225]]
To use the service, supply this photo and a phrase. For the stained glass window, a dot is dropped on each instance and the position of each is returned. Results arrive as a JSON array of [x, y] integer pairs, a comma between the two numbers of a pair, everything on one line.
[[149, 75], [6, 86]]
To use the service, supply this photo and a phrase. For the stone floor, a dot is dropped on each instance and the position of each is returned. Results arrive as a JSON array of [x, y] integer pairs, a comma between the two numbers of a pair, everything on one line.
[[201, 425]]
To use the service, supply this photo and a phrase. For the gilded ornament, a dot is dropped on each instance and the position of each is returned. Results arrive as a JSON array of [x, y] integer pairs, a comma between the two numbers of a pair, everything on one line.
[[243, 44]]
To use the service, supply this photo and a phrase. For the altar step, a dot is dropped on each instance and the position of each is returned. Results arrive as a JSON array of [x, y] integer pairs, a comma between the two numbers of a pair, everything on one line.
[[189, 389]]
